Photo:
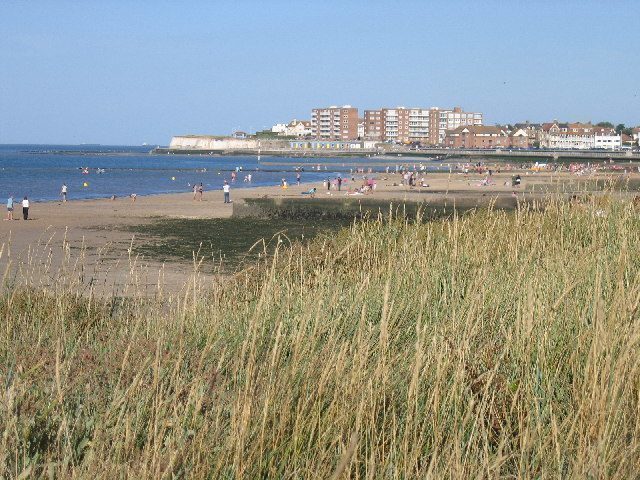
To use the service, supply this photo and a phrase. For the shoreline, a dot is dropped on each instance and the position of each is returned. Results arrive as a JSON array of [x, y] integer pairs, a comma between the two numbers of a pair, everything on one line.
[[104, 230]]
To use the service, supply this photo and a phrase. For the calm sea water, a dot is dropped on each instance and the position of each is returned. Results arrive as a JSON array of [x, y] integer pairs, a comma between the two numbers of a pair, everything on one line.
[[39, 171]]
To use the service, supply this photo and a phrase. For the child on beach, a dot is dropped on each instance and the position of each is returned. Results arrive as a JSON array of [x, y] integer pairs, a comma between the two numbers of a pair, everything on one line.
[[9, 208]]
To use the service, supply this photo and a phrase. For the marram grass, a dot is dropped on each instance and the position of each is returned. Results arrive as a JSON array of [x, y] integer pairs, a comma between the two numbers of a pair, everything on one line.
[[492, 345]]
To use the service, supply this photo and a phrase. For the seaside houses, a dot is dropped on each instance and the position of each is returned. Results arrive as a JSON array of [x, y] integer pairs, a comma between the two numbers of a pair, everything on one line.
[[606, 138], [578, 136], [533, 131], [445, 127], [279, 128], [477, 136], [334, 123], [519, 138], [295, 128]]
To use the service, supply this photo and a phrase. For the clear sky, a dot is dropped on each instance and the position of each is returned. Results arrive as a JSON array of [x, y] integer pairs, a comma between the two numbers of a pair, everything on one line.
[[127, 72]]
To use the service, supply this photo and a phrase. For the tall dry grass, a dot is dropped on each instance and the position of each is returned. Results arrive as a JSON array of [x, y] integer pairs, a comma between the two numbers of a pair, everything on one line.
[[489, 345]]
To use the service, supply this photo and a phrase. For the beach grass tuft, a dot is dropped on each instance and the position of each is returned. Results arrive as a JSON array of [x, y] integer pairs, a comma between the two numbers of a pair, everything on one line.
[[490, 345]]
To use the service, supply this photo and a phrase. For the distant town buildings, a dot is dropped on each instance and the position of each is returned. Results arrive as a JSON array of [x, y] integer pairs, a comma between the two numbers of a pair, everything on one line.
[[415, 125], [449, 120], [533, 131], [578, 136], [476, 137], [295, 128], [453, 128], [334, 123], [403, 125]]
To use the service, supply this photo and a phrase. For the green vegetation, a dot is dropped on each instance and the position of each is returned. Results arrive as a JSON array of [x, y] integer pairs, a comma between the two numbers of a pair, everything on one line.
[[268, 134], [622, 129], [224, 243], [497, 344]]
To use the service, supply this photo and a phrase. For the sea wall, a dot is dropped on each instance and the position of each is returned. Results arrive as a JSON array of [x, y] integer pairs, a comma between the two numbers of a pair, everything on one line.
[[212, 145], [207, 142]]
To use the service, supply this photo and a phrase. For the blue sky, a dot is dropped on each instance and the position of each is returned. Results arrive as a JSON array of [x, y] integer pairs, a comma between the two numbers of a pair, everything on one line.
[[123, 72]]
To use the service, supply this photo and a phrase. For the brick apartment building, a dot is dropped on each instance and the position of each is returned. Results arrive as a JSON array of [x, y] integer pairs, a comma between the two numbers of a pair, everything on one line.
[[441, 120], [405, 125], [400, 124], [334, 123]]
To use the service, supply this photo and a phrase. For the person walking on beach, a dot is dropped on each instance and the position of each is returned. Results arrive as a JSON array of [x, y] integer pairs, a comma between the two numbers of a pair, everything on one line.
[[200, 191], [63, 193], [25, 208], [298, 178], [339, 182], [226, 189], [195, 191], [10, 208]]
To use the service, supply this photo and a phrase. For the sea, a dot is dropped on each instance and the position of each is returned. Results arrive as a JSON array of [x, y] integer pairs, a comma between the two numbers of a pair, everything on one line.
[[98, 171]]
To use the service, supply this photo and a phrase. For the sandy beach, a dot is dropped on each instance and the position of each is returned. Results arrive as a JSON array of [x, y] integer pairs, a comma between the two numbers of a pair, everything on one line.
[[102, 231]]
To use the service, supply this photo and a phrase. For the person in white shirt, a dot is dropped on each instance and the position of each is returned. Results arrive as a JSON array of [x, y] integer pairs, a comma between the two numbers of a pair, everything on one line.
[[226, 189], [63, 192], [25, 208]]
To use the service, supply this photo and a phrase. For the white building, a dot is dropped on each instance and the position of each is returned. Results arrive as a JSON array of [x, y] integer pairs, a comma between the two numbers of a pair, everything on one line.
[[279, 128], [606, 139], [298, 128], [295, 128], [578, 136]]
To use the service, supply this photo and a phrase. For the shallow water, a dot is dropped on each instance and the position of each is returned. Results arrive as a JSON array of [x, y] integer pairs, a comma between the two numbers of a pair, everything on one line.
[[39, 171]]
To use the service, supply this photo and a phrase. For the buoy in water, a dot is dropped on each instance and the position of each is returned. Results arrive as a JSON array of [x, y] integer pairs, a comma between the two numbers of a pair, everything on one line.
[[173, 178], [85, 184]]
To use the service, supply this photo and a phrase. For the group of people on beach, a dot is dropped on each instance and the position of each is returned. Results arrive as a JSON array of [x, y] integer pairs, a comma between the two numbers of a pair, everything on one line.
[[198, 191], [368, 185], [25, 204], [10, 207]]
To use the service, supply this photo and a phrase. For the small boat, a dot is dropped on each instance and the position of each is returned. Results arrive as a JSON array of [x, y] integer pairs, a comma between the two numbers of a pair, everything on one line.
[[100, 170]]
